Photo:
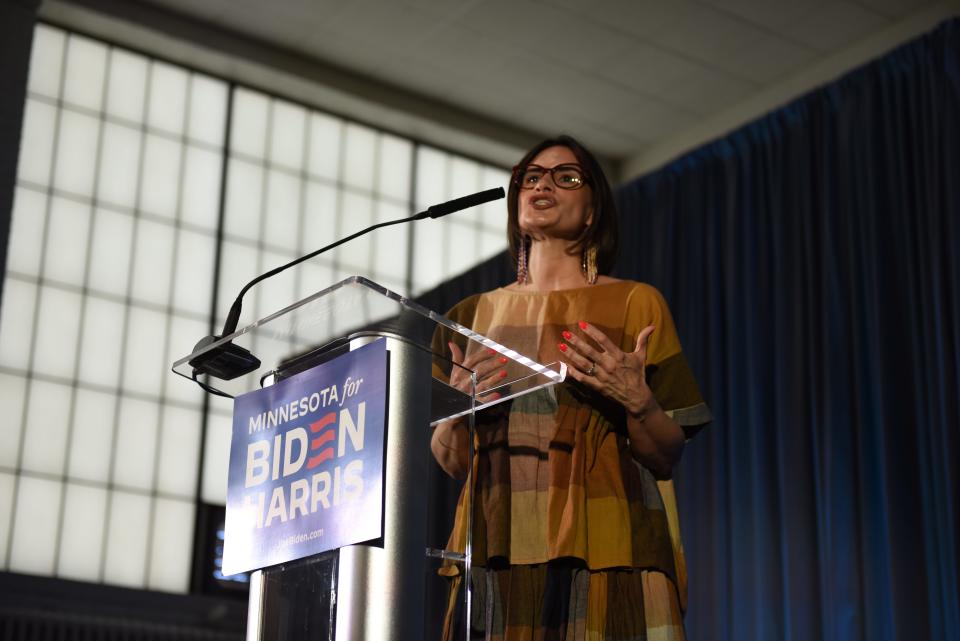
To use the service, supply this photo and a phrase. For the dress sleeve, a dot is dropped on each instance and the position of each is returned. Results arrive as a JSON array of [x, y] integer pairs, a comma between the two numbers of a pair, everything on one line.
[[668, 372]]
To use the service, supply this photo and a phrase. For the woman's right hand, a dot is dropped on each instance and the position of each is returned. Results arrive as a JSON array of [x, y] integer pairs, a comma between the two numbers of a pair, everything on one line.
[[449, 443], [488, 365]]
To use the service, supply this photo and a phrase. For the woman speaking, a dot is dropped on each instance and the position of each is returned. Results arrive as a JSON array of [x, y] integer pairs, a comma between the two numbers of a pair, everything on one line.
[[575, 524]]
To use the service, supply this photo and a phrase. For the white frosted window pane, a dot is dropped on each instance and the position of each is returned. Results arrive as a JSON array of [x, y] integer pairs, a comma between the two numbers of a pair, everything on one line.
[[100, 343], [119, 163], [168, 98], [359, 156], [161, 176], [35, 526], [280, 290], [153, 262], [201, 188], [208, 109], [67, 236], [6, 512], [16, 323], [184, 334], [179, 451], [491, 243], [286, 145], [431, 177], [238, 266], [136, 444], [320, 216], [129, 516], [46, 59], [58, 325], [357, 214], [84, 516], [283, 210], [244, 188], [91, 443], [48, 417], [394, 167], [193, 285], [390, 257], [248, 128], [314, 276], [494, 214], [216, 459], [128, 82], [85, 73], [36, 142], [12, 394], [325, 134], [172, 554], [464, 179], [26, 231], [144, 365], [110, 252], [463, 245], [76, 153], [428, 256]]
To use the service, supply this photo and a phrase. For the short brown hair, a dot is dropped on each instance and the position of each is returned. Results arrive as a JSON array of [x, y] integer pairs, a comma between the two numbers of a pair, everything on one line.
[[602, 230]]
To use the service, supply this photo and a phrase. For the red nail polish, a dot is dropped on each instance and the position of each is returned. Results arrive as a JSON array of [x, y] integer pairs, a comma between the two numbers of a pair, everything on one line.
[[583, 324], [503, 359], [563, 347], [567, 335], [491, 350], [503, 373]]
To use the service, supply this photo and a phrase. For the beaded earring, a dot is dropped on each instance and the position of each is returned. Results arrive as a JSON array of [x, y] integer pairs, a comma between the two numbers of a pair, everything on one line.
[[588, 264], [522, 273]]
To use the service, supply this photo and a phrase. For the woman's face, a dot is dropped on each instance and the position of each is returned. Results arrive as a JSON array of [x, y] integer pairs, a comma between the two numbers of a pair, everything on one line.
[[549, 211]]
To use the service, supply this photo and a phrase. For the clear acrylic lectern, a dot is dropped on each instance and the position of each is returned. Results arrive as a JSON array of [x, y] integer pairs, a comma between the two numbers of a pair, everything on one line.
[[387, 589]]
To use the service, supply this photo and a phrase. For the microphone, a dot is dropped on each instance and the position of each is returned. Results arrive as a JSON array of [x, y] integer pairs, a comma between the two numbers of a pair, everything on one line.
[[228, 361]]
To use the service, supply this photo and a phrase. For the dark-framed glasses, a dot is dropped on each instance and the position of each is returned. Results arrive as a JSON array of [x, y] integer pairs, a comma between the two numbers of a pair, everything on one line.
[[567, 176]]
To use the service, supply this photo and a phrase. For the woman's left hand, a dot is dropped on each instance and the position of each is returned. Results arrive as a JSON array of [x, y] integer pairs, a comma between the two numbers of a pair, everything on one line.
[[616, 374]]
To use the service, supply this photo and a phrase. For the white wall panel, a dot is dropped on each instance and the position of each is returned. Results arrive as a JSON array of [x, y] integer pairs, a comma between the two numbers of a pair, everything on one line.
[[126, 90], [46, 61], [136, 444], [208, 109], [47, 428], [76, 157], [110, 252], [91, 442], [36, 142], [26, 231], [100, 342], [129, 519], [81, 540], [58, 328], [37, 509], [119, 166], [12, 395], [67, 236], [179, 451], [171, 554], [168, 98], [83, 80], [17, 323]]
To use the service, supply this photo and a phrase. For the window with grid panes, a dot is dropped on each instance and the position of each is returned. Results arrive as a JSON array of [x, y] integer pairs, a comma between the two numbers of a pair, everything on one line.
[[138, 182]]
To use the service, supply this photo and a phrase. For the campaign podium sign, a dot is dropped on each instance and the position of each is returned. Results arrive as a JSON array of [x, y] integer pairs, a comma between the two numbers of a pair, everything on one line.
[[306, 463]]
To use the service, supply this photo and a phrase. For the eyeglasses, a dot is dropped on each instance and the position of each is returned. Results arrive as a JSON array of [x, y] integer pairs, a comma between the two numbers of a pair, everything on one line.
[[567, 176]]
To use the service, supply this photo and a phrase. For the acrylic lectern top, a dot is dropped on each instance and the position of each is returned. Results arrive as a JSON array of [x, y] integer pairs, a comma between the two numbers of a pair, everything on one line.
[[320, 326]]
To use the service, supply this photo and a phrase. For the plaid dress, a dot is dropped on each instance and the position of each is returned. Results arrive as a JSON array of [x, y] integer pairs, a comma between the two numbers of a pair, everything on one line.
[[573, 539]]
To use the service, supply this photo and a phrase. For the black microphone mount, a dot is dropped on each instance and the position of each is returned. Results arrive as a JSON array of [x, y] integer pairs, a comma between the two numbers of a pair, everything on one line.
[[228, 361]]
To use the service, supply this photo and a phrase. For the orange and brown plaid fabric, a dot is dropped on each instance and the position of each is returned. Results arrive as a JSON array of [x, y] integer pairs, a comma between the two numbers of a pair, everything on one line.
[[570, 533]]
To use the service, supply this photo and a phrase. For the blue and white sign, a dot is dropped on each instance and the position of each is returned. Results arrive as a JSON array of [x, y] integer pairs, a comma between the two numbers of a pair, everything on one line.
[[306, 463]]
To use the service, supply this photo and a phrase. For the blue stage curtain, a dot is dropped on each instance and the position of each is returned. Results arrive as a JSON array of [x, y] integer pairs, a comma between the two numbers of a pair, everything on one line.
[[812, 261]]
